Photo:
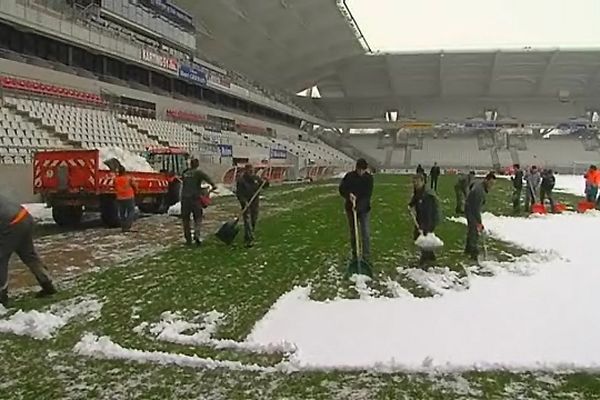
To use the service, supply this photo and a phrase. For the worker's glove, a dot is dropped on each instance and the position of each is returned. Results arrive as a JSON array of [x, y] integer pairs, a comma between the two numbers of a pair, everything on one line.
[[480, 228]]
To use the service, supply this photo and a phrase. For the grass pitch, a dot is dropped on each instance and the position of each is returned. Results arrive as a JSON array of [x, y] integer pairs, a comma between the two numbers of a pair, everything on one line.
[[302, 238]]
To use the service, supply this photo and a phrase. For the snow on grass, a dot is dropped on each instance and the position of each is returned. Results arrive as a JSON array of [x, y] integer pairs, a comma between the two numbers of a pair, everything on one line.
[[174, 329], [3, 310], [102, 347], [361, 286], [436, 280], [540, 321], [43, 325], [395, 289], [458, 385]]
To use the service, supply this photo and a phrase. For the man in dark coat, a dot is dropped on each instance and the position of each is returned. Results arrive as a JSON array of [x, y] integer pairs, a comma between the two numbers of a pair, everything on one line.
[[16, 236], [247, 187], [424, 205], [473, 206], [461, 189], [191, 191], [435, 174], [517, 182], [356, 188], [546, 188]]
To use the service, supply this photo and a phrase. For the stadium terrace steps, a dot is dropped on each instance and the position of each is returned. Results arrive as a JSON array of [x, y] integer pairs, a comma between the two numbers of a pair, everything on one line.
[[21, 136]]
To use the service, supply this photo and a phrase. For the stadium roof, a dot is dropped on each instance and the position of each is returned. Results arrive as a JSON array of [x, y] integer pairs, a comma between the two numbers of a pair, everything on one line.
[[296, 44], [501, 73], [548, 86], [285, 43]]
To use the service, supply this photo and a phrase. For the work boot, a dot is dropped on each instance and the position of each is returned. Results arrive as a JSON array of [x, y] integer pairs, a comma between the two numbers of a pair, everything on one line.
[[4, 297], [249, 245], [198, 241], [48, 289]]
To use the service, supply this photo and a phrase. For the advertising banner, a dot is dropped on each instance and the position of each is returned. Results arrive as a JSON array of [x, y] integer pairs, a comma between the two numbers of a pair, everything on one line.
[[165, 62], [226, 150], [192, 74]]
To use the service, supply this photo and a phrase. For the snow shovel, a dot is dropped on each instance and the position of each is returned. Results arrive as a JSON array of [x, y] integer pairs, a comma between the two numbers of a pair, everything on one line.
[[536, 208], [358, 265], [229, 230], [486, 256]]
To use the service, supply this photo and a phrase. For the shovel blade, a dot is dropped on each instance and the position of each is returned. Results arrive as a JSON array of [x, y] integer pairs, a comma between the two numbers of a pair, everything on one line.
[[228, 231], [538, 208], [359, 266]]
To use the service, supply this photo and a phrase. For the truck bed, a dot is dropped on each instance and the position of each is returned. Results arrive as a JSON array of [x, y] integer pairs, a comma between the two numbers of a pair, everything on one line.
[[77, 172]]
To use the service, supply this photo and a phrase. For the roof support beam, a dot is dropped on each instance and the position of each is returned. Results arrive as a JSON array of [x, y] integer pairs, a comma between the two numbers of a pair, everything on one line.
[[388, 69], [544, 75], [441, 75], [594, 78], [493, 69]]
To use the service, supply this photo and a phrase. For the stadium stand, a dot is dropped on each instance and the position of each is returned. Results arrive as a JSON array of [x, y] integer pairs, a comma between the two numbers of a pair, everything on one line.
[[20, 138], [83, 127], [368, 144], [166, 132], [557, 152], [43, 89], [456, 152]]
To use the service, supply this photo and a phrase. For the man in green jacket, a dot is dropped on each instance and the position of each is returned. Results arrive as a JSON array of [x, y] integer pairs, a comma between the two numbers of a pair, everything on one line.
[[473, 206], [461, 189], [425, 208], [191, 191]]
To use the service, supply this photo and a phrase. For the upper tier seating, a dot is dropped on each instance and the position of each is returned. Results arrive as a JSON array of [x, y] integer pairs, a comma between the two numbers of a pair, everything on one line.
[[44, 89]]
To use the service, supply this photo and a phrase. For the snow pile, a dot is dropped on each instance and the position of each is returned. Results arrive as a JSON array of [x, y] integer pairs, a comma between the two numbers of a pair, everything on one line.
[[536, 322], [573, 184], [131, 162], [175, 210], [361, 286], [43, 325], [429, 242], [172, 326], [395, 289], [436, 280], [3, 310], [40, 212], [103, 347]]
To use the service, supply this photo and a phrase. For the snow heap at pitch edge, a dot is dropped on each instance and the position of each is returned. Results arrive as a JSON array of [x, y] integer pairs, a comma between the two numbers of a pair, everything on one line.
[[131, 162]]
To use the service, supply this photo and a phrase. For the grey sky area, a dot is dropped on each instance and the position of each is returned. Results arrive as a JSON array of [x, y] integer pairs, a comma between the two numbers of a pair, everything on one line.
[[400, 25]]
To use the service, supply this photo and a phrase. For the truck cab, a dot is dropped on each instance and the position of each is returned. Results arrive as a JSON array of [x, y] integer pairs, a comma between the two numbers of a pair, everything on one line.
[[167, 160]]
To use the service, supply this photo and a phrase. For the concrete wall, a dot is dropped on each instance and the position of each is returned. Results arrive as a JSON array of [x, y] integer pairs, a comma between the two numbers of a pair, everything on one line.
[[17, 183]]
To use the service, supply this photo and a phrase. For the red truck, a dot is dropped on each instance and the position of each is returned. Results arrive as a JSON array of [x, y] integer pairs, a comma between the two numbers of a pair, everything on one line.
[[71, 182]]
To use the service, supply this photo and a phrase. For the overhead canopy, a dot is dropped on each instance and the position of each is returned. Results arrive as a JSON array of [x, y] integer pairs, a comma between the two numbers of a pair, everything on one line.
[[471, 74], [296, 44], [284, 43]]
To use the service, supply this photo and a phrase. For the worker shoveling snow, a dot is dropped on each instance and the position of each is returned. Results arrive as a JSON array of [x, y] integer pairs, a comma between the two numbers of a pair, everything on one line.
[[131, 161], [429, 242], [222, 191]]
